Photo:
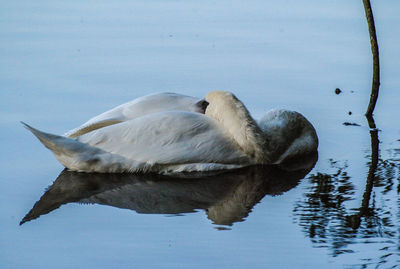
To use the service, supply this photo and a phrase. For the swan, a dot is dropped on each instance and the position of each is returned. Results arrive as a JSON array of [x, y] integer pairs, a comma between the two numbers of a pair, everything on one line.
[[172, 133]]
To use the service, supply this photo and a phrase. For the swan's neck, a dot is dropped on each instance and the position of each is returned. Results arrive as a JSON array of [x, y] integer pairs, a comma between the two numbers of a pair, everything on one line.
[[235, 119]]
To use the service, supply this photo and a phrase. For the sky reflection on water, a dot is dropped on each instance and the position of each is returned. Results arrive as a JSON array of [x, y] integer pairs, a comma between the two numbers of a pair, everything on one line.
[[63, 62]]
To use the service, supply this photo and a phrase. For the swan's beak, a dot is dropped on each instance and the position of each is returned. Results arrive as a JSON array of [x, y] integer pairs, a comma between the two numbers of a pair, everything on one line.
[[202, 105]]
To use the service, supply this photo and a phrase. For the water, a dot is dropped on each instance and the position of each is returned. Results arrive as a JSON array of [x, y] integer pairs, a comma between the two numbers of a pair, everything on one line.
[[63, 62]]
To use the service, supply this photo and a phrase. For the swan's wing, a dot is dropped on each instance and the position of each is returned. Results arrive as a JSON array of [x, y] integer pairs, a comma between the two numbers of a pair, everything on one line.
[[88, 127], [169, 138], [145, 105]]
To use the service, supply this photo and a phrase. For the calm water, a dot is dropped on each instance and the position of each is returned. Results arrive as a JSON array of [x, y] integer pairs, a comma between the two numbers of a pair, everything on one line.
[[63, 62]]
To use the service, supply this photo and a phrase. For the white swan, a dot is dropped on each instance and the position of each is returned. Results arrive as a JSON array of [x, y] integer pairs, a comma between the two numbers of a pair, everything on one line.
[[167, 133]]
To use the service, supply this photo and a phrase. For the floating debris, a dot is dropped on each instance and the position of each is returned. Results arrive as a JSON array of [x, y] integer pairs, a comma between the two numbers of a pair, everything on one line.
[[351, 124]]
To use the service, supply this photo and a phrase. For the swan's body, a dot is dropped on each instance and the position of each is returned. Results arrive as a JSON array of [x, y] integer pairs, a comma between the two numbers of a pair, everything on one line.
[[168, 133]]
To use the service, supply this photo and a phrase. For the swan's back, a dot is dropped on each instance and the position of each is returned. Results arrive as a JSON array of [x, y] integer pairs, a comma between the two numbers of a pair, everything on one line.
[[138, 107]]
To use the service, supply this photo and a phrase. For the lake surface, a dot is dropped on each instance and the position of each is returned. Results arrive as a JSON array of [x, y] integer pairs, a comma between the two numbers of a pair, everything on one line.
[[64, 62]]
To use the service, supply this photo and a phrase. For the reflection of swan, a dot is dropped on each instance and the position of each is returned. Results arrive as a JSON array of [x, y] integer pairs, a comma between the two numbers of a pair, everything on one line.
[[168, 133], [227, 197]]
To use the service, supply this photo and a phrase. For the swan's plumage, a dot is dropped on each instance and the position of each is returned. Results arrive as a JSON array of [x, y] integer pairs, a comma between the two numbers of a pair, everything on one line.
[[138, 107], [235, 119], [288, 134], [171, 137], [167, 133]]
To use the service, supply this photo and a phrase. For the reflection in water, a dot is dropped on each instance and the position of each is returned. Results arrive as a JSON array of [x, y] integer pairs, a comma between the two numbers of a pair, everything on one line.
[[325, 219], [227, 197], [323, 210], [354, 221]]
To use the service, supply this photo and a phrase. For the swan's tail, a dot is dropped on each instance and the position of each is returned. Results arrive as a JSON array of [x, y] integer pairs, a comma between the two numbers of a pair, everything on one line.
[[82, 157]]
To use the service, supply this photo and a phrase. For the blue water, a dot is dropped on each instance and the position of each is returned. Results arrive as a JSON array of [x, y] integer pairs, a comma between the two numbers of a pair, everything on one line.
[[64, 62]]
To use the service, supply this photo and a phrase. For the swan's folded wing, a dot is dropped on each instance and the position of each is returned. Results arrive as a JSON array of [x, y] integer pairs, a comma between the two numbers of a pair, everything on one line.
[[145, 105], [88, 127], [169, 138]]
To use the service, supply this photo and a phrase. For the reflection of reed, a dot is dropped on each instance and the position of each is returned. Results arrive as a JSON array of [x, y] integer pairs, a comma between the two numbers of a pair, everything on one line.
[[325, 219], [355, 220], [372, 168], [227, 197]]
